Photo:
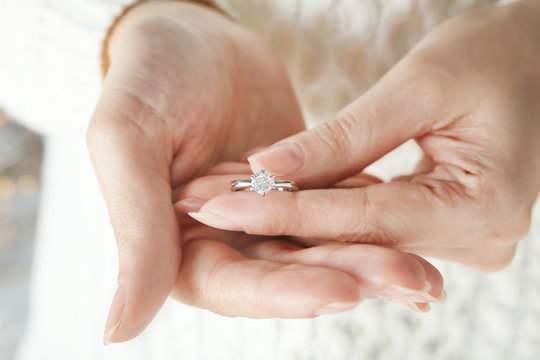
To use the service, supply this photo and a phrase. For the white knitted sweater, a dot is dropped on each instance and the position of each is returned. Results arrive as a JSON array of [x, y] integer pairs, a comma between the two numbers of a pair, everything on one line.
[[334, 50]]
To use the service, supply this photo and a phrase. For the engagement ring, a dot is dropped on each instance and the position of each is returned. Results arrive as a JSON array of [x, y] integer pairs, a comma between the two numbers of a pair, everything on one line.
[[262, 182]]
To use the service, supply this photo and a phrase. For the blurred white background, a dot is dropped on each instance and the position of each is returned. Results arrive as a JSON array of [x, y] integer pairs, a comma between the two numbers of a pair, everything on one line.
[[20, 164]]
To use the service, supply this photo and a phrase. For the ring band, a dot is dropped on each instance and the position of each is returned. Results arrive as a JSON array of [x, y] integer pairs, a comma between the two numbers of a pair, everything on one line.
[[263, 182]]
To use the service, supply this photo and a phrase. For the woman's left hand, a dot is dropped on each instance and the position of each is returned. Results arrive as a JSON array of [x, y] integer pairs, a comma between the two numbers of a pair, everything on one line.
[[469, 94]]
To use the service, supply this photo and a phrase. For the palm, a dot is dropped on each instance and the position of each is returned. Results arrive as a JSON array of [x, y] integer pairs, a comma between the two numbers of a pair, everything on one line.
[[178, 98], [216, 103]]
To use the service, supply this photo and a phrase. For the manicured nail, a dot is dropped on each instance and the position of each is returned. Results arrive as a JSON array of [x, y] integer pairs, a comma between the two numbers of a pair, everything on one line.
[[335, 308], [115, 314], [419, 307], [190, 204], [283, 158], [417, 295], [442, 297], [422, 295], [215, 221]]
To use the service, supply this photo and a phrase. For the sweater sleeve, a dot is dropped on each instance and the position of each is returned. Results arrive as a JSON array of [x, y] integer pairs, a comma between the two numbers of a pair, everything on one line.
[[50, 71]]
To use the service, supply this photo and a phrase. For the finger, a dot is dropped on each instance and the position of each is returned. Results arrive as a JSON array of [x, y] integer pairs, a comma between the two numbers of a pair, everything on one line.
[[225, 168], [236, 240], [484, 258], [358, 180], [218, 278], [132, 168], [385, 117], [395, 214], [196, 193], [379, 271], [250, 152], [425, 166]]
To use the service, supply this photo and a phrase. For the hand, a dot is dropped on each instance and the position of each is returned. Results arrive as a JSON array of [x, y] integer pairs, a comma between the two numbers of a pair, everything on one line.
[[233, 274], [468, 95], [186, 88]]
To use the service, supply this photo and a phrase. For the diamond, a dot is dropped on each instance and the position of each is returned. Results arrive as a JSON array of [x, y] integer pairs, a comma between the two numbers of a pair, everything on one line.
[[262, 182]]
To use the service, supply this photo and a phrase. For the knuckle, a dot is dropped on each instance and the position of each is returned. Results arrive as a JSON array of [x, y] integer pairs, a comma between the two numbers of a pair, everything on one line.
[[337, 135], [358, 225], [91, 136], [498, 261], [121, 224], [272, 227], [522, 226], [94, 134], [447, 192], [102, 134], [122, 237], [365, 226], [427, 74], [512, 231]]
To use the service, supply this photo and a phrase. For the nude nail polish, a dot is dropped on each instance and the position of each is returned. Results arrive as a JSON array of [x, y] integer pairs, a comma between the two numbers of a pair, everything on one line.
[[422, 295], [420, 307], [215, 221], [283, 158], [335, 308], [191, 204], [115, 314]]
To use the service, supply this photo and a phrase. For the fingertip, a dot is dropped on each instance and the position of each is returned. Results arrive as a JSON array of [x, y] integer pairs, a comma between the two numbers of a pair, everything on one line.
[[215, 221], [190, 204], [121, 325], [147, 272], [268, 289], [114, 318], [132, 310], [417, 306], [335, 308], [199, 191], [254, 164], [250, 152], [284, 158], [433, 277], [231, 205], [229, 167], [391, 267]]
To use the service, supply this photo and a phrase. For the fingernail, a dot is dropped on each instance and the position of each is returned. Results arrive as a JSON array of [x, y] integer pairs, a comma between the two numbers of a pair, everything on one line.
[[419, 307], [190, 204], [215, 221], [418, 295], [283, 158], [115, 314], [334, 308], [422, 295], [442, 297], [405, 291]]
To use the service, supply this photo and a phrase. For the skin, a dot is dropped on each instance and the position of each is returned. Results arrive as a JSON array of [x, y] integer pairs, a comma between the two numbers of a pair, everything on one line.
[[180, 97], [468, 94]]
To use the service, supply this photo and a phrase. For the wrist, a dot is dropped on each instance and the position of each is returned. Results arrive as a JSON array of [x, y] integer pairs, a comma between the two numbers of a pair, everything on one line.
[[146, 10]]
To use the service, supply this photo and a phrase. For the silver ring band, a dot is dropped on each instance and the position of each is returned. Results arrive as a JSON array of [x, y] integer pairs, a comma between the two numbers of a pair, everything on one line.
[[262, 183], [280, 185]]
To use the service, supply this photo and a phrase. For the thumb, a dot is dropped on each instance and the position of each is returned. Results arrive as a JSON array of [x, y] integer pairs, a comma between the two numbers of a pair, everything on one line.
[[385, 117], [132, 165]]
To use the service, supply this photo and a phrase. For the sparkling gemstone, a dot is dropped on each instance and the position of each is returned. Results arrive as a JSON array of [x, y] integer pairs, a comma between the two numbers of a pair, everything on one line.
[[262, 182]]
